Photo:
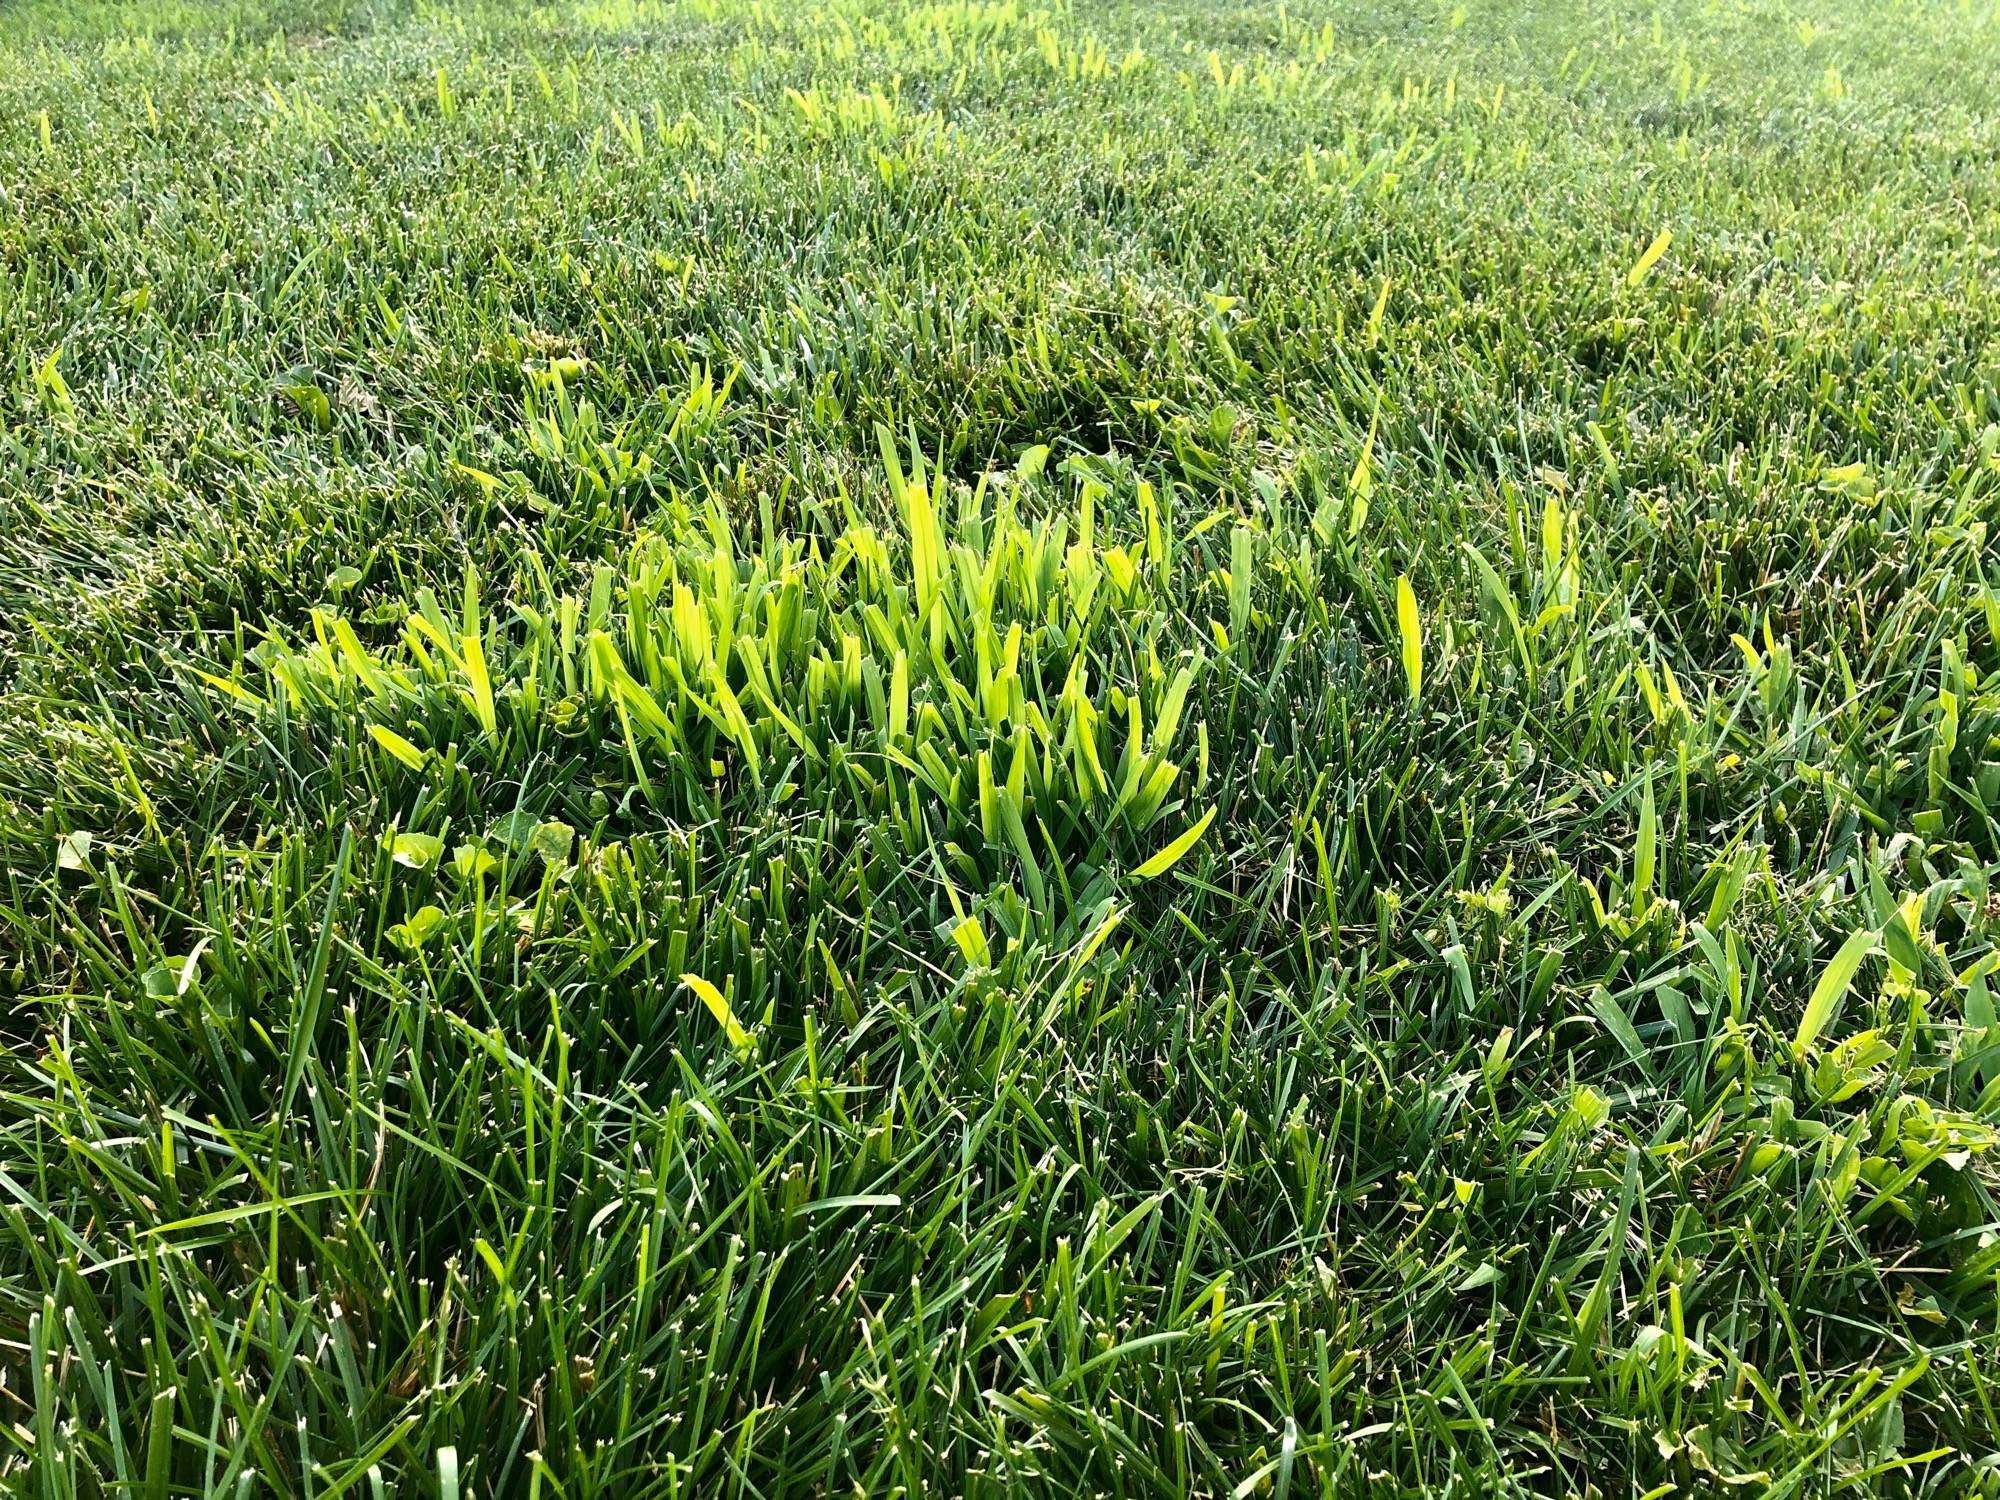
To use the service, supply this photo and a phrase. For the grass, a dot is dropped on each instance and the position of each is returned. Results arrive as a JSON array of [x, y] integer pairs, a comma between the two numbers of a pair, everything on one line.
[[884, 748]]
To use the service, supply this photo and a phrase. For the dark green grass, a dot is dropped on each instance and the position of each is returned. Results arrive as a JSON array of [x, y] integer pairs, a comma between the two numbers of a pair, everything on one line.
[[868, 749]]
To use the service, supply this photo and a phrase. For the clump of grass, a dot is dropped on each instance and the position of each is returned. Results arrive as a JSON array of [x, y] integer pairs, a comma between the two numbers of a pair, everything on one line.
[[964, 748]]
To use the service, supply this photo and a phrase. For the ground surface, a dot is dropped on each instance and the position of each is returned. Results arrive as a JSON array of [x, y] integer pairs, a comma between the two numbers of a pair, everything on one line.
[[766, 748]]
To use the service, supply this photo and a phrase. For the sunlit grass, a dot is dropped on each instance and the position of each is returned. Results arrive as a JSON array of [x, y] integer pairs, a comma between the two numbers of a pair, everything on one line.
[[758, 748]]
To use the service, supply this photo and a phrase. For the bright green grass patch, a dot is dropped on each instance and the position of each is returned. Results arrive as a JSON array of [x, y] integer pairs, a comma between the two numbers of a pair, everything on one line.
[[777, 748]]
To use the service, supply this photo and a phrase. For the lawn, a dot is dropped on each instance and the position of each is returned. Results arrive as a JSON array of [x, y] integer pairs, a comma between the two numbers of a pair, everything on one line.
[[758, 748]]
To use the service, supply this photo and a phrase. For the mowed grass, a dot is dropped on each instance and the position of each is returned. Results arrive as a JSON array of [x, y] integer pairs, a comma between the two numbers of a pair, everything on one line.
[[877, 748]]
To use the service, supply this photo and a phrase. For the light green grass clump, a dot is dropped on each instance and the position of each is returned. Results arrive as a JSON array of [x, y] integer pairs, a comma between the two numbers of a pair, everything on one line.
[[874, 748]]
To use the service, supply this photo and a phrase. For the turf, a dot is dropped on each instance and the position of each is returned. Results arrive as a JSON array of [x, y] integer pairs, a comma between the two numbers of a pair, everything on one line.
[[764, 748]]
